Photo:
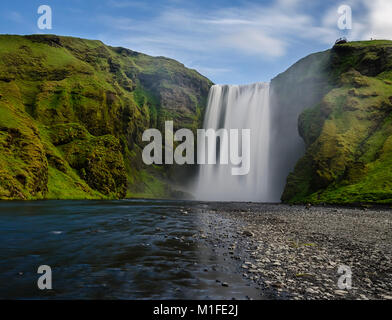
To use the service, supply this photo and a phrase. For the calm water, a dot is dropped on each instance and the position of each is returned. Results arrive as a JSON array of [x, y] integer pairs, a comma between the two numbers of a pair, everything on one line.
[[128, 249]]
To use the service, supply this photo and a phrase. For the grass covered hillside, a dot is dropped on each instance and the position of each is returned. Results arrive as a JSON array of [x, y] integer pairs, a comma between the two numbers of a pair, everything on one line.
[[72, 114], [347, 128]]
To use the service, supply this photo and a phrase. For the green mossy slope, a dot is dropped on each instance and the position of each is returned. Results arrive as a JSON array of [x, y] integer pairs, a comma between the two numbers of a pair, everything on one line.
[[72, 113], [348, 131]]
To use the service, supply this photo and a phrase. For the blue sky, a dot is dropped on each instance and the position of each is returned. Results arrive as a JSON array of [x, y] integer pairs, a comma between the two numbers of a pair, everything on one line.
[[229, 41]]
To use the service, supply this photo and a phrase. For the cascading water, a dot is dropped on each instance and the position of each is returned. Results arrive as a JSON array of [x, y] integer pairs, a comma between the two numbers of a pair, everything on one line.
[[238, 107]]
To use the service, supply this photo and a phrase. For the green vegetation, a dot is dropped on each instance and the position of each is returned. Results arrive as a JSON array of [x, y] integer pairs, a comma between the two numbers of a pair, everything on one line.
[[72, 113], [348, 130]]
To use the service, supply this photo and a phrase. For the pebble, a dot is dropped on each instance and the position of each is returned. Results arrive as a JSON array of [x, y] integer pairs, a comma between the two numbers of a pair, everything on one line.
[[247, 233], [311, 291], [340, 292], [296, 251]]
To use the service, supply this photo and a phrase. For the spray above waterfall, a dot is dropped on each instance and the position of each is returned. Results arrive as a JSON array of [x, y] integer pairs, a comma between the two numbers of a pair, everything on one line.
[[244, 107]]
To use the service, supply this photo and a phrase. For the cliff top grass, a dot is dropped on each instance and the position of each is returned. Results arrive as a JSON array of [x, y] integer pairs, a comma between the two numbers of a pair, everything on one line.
[[366, 43]]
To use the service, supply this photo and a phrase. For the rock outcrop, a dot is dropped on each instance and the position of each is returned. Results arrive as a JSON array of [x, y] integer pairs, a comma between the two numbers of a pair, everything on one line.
[[345, 122]]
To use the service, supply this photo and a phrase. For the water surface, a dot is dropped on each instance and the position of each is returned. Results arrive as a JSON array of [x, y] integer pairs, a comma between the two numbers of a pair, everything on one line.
[[126, 249]]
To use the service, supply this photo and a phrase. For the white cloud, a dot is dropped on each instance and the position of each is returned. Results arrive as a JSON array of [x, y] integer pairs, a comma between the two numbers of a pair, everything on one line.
[[265, 31], [379, 19], [252, 29], [251, 41], [371, 19]]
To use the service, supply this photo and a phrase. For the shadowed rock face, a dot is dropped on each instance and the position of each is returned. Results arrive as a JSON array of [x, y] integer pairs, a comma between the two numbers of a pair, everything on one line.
[[341, 102], [72, 113], [298, 88]]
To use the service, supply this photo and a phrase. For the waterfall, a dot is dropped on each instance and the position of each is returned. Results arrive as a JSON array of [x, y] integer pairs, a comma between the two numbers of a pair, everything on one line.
[[237, 107]]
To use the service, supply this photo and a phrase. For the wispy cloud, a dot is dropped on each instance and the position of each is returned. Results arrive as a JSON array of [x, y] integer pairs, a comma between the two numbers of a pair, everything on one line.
[[229, 41], [266, 31], [117, 23]]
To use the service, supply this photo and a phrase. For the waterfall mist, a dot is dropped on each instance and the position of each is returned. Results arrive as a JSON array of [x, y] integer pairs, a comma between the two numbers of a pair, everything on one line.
[[238, 107], [287, 146], [271, 111], [300, 87]]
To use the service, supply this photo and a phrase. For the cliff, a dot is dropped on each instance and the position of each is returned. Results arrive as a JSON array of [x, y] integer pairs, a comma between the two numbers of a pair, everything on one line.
[[72, 114], [344, 101]]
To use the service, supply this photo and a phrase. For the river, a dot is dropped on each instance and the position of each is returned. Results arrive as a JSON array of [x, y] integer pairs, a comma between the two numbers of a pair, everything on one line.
[[126, 249]]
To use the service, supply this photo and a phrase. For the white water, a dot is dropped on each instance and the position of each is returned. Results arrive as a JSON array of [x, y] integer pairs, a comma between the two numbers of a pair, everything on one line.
[[238, 107]]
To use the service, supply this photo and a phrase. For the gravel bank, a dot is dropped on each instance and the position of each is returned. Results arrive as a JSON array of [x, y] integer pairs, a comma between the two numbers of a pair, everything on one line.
[[294, 252]]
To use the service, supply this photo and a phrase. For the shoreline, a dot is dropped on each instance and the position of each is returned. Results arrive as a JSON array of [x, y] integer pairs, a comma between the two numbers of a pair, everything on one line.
[[294, 252], [225, 250], [353, 205]]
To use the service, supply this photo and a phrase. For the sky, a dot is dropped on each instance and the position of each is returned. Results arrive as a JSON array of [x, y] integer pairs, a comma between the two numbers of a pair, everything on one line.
[[230, 42]]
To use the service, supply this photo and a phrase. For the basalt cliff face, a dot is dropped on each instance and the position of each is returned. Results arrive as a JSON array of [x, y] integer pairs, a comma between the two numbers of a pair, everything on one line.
[[341, 100], [72, 114]]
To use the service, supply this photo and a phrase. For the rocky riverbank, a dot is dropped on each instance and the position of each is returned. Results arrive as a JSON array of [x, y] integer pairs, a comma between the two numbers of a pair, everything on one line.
[[294, 252]]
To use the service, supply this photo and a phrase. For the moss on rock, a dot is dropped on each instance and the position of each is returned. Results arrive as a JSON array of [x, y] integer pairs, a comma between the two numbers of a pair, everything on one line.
[[100, 163], [348, 132], [72, 113]]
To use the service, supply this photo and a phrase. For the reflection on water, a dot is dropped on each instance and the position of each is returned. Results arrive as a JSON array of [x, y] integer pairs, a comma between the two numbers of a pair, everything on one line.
[[127, 249]]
